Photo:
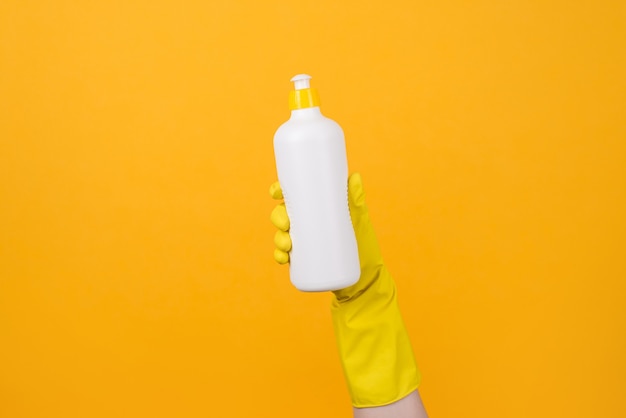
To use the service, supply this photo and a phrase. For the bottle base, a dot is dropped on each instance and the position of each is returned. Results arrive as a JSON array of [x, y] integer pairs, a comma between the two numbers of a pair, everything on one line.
[[324, 286]]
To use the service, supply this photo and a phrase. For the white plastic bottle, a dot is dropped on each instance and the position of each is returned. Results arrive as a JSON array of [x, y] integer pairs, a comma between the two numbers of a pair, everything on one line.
[[312, 169]]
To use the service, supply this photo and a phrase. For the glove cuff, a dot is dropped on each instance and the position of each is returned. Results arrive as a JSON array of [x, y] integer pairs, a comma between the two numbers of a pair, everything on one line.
[[374, 346]]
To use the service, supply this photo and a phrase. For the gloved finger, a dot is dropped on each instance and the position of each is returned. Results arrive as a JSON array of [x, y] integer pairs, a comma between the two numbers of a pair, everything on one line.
[[281, 257], [279, 217], [282, 240], [275, 191]]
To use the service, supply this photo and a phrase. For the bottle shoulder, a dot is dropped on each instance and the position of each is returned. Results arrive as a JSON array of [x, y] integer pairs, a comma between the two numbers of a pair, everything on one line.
[[309, 127]]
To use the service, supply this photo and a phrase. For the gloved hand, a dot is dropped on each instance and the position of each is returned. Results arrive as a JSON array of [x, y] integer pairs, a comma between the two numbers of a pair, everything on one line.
[[374, 347]]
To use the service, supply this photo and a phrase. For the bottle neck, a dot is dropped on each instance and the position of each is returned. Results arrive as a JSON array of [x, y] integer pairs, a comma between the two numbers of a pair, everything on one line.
[[306, 113]]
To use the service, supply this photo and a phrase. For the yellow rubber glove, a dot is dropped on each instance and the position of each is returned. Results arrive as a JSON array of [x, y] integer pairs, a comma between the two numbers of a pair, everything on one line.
[[374, 346]]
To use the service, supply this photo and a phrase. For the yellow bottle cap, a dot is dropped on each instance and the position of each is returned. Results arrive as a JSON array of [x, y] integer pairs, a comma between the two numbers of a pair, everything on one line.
[[303, 96]]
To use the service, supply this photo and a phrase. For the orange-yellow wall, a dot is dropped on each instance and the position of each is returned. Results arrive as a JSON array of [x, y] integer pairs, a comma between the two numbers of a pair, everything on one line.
[[136, 271]]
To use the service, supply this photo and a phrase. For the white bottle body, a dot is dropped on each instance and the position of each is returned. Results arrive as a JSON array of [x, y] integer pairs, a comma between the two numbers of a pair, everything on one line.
[[312, 169]]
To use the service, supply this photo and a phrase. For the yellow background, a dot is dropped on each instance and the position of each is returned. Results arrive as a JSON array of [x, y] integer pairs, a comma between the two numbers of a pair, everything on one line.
[[136, 271]]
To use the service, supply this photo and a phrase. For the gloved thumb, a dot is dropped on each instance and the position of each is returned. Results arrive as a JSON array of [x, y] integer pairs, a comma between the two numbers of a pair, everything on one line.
[[356, 198], [369, 251]]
